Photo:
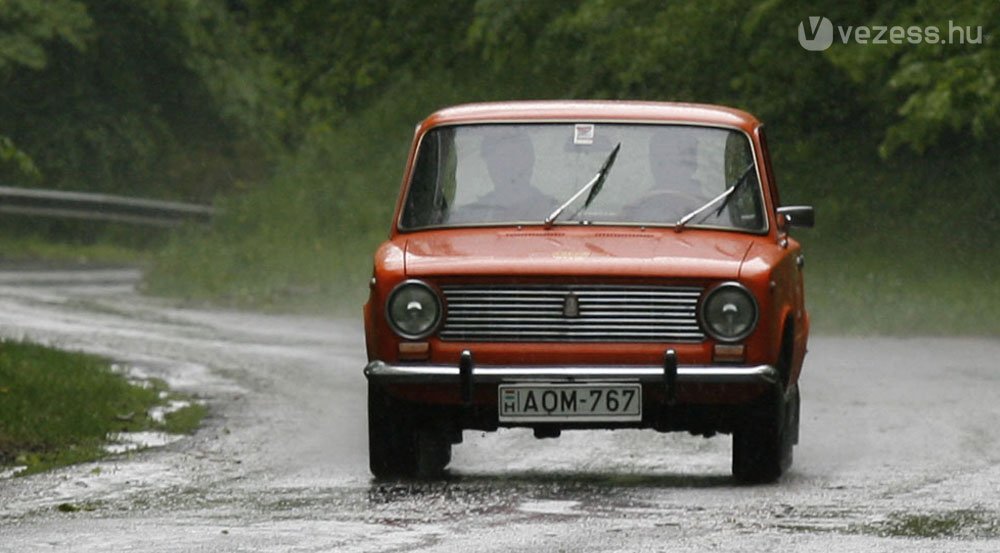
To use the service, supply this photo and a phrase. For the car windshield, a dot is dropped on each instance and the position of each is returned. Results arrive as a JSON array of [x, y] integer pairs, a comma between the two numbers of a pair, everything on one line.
[[499, 174]]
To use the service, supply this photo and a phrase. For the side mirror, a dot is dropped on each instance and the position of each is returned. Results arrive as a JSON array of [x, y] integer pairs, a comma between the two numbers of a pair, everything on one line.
[[798, 216]]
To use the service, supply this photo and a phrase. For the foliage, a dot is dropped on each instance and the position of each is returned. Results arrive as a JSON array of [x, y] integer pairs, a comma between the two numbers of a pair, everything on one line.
[[26, 27], [147, 98], [190, 99], [729, 52], [13, 158], [30, 251], [735, 53], [330, 55], [933, 90], [904, 246], [58, 407]]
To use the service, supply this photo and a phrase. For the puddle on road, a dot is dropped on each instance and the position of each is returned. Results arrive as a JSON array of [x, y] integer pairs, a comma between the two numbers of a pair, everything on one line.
[[550, 507], [124, 442], [12, 472], [160, 412], [538, 498]]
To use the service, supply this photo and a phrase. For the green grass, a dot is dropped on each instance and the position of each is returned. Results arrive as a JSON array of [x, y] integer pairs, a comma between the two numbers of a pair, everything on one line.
[[35, 249], [57, 407], [960, 524], [906, 246], [902, 289], [185, 420]]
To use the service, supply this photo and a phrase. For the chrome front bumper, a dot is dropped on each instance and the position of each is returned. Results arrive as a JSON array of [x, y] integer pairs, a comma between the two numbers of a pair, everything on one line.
[[443, 374]]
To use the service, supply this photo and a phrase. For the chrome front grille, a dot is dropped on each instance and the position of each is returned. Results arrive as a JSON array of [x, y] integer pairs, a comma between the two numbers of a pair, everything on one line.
[[571, 313]]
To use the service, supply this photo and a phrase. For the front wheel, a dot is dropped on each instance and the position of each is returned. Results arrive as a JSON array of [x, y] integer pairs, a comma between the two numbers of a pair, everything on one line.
[[762, 446], [400, 444]]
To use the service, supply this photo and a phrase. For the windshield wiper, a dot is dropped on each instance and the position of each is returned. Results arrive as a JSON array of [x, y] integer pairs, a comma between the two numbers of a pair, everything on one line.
[[724, 197], [594, 186]]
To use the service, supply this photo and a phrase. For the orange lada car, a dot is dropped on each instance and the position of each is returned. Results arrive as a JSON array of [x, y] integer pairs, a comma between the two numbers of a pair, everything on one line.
[[566, 265]]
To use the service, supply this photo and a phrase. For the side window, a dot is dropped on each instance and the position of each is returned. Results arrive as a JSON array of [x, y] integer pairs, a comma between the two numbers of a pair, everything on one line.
[[738, 156], [773, 185], [432, 186], [745, 210]]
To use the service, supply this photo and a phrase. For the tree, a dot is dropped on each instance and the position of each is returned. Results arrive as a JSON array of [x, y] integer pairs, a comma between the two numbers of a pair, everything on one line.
[[159, 98], [944, 85], [26, 28], [747, 55], [331, 57]]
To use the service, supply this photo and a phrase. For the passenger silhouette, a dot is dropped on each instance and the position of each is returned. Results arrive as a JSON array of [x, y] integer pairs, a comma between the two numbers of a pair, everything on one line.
[[510, 159], [673, 162]]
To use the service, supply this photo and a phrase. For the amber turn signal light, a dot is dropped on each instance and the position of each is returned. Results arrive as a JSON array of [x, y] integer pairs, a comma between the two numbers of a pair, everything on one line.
[[414, 351], [728, 352]]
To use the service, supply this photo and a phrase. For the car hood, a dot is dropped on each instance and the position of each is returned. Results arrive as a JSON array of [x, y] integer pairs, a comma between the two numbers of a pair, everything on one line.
[[576, 251]]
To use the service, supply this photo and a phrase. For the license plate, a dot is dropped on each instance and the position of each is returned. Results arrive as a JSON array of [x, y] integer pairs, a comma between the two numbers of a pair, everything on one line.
[[570, 402]]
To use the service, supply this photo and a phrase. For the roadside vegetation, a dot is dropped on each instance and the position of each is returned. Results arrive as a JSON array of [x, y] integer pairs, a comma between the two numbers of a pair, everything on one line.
[[33, 250], [905, 246], [959, 524], [59, 408], [294, 118]]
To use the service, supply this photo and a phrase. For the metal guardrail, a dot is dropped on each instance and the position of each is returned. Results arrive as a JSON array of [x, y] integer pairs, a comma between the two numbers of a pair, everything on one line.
[[100, 207]]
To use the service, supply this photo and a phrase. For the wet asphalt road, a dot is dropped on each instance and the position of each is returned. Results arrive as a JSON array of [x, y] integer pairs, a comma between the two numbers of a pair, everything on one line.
[[899, 451]]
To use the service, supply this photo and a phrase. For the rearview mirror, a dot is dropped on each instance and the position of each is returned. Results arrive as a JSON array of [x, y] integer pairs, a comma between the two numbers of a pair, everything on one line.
[[798, 216]]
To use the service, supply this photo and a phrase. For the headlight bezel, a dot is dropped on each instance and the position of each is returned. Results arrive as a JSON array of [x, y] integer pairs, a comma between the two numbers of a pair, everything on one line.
[[706, 300], [435, 324]]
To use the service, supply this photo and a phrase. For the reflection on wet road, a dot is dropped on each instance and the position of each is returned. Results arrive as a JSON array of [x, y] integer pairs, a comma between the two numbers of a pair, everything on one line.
[[899, 451]]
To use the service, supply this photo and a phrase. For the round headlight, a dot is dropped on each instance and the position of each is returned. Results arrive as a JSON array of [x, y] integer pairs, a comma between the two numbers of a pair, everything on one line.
[[729, 312], [413, 309]]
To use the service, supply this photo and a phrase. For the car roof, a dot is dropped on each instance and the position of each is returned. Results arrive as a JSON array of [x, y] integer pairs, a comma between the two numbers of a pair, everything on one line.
[[592, 110]]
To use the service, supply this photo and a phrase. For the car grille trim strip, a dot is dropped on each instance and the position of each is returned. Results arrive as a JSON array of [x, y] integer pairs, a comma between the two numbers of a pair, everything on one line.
[[597, 313], [574, 323]]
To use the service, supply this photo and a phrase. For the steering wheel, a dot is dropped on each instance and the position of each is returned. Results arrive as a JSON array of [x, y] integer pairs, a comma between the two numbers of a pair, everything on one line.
[[662, 206]]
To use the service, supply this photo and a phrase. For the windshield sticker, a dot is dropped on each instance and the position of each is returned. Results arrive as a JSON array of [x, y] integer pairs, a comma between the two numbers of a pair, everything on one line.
[[583, 133]]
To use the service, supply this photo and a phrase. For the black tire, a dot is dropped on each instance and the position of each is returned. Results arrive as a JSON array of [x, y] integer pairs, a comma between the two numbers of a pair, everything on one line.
[[433, 453], [392, 447], [400, 445], [762, 446]]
